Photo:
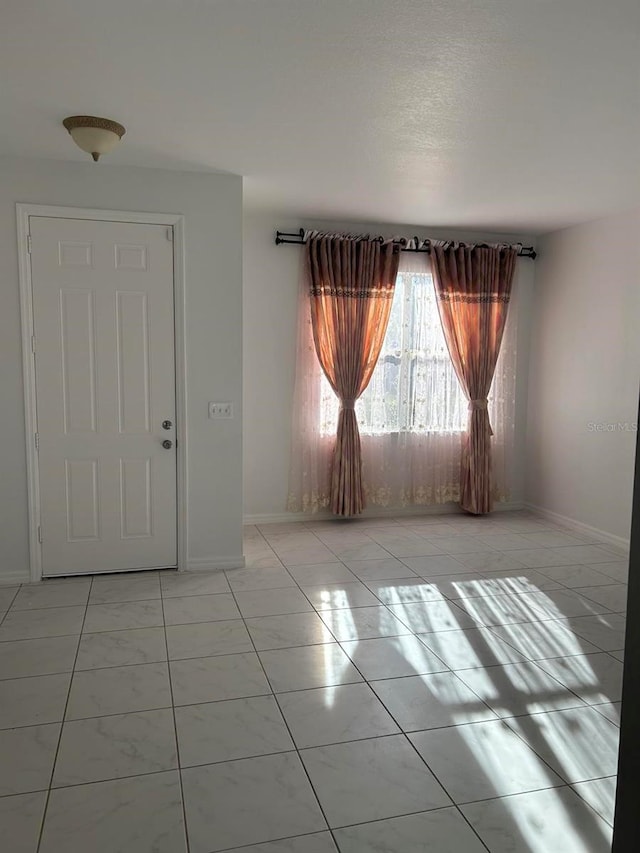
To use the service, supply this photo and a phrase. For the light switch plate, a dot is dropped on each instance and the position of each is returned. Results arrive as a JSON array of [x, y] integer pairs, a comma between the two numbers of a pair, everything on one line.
[[220, 410]]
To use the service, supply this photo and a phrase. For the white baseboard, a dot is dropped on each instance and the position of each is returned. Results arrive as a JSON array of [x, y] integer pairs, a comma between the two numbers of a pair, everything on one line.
[[210, 564], [14, 578], [372, 512], [580, 527]]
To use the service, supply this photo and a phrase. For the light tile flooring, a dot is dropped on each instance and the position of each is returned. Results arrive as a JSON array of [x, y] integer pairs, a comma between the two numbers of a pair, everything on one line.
[[438, 683]]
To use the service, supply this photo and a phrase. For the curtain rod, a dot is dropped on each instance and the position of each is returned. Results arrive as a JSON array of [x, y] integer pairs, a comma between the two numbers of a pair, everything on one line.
[[297, 238]]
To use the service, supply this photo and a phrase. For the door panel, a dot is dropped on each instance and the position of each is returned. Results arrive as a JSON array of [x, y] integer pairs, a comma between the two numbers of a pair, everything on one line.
[[105, 381]]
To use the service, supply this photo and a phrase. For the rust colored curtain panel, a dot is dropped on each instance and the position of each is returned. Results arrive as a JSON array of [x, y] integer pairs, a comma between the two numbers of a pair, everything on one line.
[[473, 287], [351, 283]]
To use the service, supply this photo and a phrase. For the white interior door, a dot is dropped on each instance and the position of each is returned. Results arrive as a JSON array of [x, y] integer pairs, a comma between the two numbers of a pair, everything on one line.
[[105, 385]]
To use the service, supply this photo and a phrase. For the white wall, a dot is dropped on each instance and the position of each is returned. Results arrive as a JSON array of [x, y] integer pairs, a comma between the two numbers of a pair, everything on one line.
[[585, 366], [212, 206], [271, 277]]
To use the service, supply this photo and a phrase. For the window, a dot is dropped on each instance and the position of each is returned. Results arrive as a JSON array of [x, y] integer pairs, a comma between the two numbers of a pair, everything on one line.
[[414, 388]]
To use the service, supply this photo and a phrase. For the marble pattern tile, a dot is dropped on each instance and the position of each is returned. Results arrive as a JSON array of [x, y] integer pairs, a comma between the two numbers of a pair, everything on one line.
[[538, 558], [307, 555], [204, 639], [277, 801], [405, 544], [470, 648], [424, 527], [46, 656], [118, 690], [34, 700], [576, 575], [264, 559], [335, 714], [405, 590], [130, 614], [482, 760], [606, 631], [423, 617], [224, 731], [457, 586], [139, 586], [392, 657], [368, 570], [506, 591], [517, 689], [276, 577], [595, 678], [514, 582], [52, 594], [121, 648], [21, 819], [27, 758], [308, 666], [523, 525], [489, 561], [271, 602], [562, 604], [600, 794], [431, 701], [610, 710], [613, 597], [579, 744], [102, 748], [431, 567], [320, 573], [317, 842], [617, 571], [49, 622], [339, 596], [358, 551], [192, 583], [497, 610], [211, 679], [457, 544], [200, 608], [586, 554], [551, 539], [539, 640], [439, 831], [371, 779], [363, 623], [539, 822], [134, 815], [295, 629]]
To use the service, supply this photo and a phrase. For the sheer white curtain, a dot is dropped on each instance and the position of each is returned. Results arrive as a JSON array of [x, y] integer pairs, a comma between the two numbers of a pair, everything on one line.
[[411, 416]]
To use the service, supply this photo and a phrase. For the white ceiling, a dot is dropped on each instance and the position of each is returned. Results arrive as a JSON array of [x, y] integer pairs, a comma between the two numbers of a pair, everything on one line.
[[519, 115]]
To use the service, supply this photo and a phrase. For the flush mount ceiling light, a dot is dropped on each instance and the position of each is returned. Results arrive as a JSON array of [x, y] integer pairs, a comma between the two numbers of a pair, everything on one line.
[[94, 135]]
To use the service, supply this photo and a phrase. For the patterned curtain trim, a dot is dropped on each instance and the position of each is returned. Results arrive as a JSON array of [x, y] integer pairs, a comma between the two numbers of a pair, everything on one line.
[[473, 297], [356, 293]]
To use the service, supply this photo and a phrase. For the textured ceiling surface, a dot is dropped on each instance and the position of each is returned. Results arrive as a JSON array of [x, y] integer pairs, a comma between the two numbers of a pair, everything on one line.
[[504, 114]]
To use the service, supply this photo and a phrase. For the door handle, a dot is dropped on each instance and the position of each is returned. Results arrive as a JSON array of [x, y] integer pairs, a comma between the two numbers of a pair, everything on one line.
[[167, 444], [166, 424]]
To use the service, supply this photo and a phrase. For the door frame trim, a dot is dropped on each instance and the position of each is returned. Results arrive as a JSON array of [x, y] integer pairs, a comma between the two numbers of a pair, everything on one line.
[[171, 220]]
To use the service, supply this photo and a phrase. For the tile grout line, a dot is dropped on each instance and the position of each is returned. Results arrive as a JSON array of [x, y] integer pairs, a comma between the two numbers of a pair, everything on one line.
[[175, 726], [613, 581], [400, 731], [501, 719], [275, 699], [421, 757], [62, 725]]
